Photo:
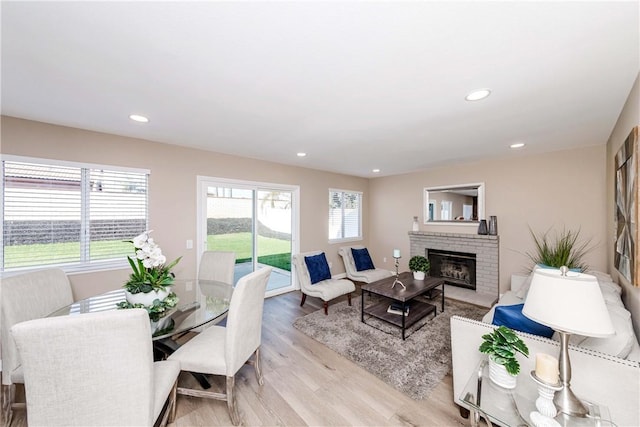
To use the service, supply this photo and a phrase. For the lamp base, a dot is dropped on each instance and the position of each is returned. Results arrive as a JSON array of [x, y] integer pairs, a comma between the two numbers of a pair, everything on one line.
[[565, 400], [568, 403]]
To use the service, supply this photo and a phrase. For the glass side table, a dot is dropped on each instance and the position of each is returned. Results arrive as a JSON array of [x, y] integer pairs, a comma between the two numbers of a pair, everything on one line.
[[511, 408]]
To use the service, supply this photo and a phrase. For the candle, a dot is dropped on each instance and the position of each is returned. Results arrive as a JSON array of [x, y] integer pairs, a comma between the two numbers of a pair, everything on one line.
[[396, 253], [547, 368]]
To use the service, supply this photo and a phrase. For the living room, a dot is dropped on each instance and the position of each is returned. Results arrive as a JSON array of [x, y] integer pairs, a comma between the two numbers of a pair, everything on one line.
[[526, 189]]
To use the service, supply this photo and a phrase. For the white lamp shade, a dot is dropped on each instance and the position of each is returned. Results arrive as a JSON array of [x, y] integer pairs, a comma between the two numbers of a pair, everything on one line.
[[571, 303]]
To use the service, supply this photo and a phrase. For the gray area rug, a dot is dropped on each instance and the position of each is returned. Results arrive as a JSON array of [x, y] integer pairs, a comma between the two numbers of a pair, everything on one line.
[[414, 366]]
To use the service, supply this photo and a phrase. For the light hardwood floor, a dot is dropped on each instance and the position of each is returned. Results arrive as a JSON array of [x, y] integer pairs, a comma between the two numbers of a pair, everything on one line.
[[307, 384]]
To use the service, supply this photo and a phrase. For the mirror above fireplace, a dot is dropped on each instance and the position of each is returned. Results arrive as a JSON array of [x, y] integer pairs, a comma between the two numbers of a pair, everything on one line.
[[454, 204]]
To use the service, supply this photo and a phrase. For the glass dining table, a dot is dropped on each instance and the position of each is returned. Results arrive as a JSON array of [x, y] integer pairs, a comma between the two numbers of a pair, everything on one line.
[[200, 302]]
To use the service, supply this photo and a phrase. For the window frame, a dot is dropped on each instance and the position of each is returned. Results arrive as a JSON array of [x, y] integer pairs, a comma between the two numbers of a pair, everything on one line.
[[85, 264], [357, 238]]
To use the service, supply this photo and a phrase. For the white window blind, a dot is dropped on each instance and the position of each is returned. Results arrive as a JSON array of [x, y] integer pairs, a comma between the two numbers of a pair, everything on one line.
[[74, 216], [345, 215]]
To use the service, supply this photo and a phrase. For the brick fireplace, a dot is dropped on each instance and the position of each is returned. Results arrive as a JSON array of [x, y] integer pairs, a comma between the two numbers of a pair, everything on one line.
[[485, 248]]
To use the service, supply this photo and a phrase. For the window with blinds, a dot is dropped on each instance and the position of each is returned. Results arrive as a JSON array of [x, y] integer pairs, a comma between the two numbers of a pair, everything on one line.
[[77, 217], [345, 215]]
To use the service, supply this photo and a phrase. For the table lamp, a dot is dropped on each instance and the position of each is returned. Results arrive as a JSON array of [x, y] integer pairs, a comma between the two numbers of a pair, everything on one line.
[[570, 303]]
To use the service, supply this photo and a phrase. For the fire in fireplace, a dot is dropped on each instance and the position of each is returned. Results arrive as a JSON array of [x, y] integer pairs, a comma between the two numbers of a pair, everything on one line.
[[457, 268]]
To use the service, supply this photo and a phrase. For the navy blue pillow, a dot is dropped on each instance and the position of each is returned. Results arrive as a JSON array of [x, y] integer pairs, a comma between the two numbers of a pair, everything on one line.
[[318, 268], [362, 259], [511, 316]]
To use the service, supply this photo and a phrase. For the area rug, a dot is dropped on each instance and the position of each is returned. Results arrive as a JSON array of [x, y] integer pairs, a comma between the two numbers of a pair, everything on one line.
[[414, 366]]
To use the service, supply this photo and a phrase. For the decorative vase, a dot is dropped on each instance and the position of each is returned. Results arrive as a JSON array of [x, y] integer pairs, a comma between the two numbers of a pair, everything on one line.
[[482, 228], [418, 275], [493, 225], [416, 225], [148, 298], [499, 375]]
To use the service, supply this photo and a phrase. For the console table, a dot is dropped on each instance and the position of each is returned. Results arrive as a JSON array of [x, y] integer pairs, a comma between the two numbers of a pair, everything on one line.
[[507, 407]]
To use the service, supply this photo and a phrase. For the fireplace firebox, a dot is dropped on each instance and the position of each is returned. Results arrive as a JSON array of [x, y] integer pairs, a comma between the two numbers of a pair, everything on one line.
[[456, 268]]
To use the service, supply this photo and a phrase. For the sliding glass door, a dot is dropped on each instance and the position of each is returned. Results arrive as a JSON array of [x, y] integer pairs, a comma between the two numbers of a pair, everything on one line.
[[256, 221]]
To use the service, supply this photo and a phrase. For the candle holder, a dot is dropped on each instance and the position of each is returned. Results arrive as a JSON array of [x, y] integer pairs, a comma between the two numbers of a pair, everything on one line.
[[546, 391], [397, 281]]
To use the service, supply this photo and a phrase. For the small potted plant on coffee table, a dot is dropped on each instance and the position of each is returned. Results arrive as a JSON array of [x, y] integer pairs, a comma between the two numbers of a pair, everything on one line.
[[420, 266], [502, 345]]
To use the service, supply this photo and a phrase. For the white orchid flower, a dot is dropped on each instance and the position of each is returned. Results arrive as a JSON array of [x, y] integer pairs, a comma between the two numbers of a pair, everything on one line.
[[138, 241]]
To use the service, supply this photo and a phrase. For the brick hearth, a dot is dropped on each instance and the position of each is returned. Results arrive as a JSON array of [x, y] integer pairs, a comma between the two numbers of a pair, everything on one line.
[[486, 249]]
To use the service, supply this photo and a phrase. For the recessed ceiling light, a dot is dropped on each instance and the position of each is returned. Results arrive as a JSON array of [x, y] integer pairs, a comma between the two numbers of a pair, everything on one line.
[[477, 95], [139, 118], [301, 154], [376, 171], [517, 145]]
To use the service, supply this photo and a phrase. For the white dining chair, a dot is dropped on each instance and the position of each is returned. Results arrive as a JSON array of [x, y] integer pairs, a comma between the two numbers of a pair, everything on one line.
[[224, 350], [95, 369], [217, 265], [24, 297]]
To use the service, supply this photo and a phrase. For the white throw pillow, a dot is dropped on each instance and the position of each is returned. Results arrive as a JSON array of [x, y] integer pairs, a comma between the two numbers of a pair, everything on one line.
[[524, 289], [609, 285], [611, 298], [601, 276], [621, 343]]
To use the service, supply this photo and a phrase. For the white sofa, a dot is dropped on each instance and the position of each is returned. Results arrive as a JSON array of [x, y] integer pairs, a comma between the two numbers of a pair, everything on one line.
[[606, 371]]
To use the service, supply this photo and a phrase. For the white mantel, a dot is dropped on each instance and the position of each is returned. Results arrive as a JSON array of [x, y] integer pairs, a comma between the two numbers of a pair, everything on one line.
[[486, 249]]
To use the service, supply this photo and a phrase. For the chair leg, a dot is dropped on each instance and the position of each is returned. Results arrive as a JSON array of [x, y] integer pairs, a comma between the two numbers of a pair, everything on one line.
[[326, 307], [258, 367], [304, 297], [231, 402], [173, 399], [8, 398], [349, 297]]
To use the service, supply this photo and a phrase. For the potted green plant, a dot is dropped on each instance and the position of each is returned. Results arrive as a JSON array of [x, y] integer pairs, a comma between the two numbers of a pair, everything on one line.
[[420, 266], [502, 345], [560, 249]]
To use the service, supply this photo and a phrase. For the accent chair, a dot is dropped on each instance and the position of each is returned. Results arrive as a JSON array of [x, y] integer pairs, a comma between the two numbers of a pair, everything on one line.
[[364, 274], [315, 279]]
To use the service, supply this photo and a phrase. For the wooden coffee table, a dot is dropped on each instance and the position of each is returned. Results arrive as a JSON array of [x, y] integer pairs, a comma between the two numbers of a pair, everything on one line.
[[417, 309]]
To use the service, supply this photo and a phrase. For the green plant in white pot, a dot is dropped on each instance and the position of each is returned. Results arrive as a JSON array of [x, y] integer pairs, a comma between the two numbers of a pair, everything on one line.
[[502, 345], [420, 266]]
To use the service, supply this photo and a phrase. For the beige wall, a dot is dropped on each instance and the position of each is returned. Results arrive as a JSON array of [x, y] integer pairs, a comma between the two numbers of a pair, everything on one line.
[[172, 188], [563, 188], [541, 191], [629, 118]]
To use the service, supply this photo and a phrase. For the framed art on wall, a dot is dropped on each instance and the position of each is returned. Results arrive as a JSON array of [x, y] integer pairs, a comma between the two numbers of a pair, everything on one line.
[[626, 257]]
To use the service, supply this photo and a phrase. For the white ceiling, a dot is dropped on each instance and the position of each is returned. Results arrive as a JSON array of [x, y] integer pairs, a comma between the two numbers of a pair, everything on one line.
[[356, 85]]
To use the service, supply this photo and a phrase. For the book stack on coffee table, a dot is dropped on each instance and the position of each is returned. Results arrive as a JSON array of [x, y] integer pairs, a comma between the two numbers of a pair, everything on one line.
[[396, 308]]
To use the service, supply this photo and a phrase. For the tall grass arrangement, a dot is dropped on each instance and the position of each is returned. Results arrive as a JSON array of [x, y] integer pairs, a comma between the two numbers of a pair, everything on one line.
[[560, 248]]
